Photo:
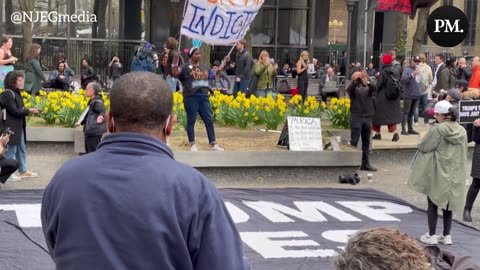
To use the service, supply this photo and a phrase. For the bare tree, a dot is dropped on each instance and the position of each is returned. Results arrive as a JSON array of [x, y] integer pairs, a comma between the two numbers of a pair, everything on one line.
[[27, 6], [421, 30]]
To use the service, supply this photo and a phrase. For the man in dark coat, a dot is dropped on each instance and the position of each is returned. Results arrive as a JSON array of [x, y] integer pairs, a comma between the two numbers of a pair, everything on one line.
[[388, 112], [87, 73], [14, 118], [130, 204], [361, 93]]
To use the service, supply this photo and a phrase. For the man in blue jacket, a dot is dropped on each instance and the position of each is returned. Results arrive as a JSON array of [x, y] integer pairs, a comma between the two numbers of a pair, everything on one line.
[[412, 91], [130, 205]]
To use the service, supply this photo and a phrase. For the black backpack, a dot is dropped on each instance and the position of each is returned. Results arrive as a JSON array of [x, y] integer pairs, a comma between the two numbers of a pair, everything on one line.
[[393, 87]]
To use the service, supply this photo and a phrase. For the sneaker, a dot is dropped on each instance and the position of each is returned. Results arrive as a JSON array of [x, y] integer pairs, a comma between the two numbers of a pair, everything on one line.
[[417, 124], [429, 239], [14, 178], [395, 137], [446, 240], [377, 136], [28, 174], [194, 148], [217, 147]]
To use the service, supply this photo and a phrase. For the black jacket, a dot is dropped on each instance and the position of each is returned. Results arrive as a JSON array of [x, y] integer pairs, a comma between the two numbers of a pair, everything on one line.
[[90, 125], [89, 74], [15, 115], [387, 111], [243, 65], [463, 73], [476, 154], [361, 96]]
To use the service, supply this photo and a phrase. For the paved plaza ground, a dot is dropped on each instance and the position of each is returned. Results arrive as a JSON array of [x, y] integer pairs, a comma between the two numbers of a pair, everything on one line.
[[391, 177]]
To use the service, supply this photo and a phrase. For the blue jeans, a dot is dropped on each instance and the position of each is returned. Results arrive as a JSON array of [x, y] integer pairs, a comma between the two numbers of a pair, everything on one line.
[[264, 93], [172, 82], [199, 104], [17, 152], [424, 102], [240, 86]]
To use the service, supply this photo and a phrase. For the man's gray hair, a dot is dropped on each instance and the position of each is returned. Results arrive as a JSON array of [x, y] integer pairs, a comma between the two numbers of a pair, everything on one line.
[[95, 87]]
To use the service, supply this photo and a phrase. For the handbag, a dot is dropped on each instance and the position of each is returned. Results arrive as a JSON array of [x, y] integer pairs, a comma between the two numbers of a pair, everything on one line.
[[252, 86]]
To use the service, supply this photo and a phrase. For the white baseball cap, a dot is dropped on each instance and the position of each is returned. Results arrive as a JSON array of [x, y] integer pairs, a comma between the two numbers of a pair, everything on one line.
[[442, 107]]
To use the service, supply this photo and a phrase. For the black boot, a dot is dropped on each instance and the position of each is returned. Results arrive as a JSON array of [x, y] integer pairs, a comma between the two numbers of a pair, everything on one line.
[[467, 217], [395, 137], [366, 166], [377, 136]]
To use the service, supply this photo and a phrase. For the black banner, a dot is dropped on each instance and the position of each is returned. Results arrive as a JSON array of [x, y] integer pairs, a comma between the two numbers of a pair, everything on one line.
[[280, 228]]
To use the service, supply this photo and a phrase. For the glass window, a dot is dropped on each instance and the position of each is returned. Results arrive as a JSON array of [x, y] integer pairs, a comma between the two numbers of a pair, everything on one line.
[[471, 7], [293, 4], [128, 19], [263, 27], [7, 26], [292, 27]]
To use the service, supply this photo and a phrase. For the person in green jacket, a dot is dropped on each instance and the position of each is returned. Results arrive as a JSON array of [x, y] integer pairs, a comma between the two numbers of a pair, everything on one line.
[[439, 171], [447, 77], [266, 74], [34, 77]]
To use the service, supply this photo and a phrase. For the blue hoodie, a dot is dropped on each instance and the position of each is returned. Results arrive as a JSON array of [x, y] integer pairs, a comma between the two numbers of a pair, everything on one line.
[[411, 88], [130, 205]]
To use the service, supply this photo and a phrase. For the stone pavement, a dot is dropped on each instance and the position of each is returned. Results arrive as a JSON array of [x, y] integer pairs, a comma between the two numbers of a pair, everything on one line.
[[393, 172]]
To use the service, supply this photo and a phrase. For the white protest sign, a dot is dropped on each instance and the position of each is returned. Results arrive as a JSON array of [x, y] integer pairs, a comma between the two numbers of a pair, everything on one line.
[[305, 134], [219, 22]]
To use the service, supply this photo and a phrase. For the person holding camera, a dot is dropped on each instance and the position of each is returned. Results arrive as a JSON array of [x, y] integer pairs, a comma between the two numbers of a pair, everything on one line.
[[14, 115], [115, 69], [7, 166], [438, 171], [266, 73], [361, 93]]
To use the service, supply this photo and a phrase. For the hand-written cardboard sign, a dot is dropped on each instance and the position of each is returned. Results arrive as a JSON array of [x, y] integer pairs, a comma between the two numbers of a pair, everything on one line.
[[305, 134], [219, 22], [469, 111]]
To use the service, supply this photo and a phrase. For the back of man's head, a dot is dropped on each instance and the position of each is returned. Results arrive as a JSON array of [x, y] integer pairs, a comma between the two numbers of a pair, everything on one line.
[[140, 102], [382, 248]]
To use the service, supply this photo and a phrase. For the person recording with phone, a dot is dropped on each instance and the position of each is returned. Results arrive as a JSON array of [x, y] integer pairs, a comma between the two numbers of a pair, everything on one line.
[[14, 116], [361, 93], [7, 166]]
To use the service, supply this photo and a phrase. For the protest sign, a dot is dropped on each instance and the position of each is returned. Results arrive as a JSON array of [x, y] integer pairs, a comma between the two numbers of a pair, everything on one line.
[[219, 22], [469, 111], [305, 134]]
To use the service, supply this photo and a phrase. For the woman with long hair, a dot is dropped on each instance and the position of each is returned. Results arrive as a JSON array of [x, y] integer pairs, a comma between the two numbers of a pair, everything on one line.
[[6, 59], [170, 49], [439, 171], [34, 77], [302, 79], [266, 73]]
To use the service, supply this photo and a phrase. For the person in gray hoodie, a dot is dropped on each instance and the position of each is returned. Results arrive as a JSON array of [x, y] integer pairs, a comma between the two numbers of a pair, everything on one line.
[[412, 91]]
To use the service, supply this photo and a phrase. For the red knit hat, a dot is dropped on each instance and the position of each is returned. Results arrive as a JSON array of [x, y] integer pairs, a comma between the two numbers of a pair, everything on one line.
[[387, 59]]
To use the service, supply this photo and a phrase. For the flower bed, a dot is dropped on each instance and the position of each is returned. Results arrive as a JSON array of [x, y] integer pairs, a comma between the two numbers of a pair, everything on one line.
[[65, 108]]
